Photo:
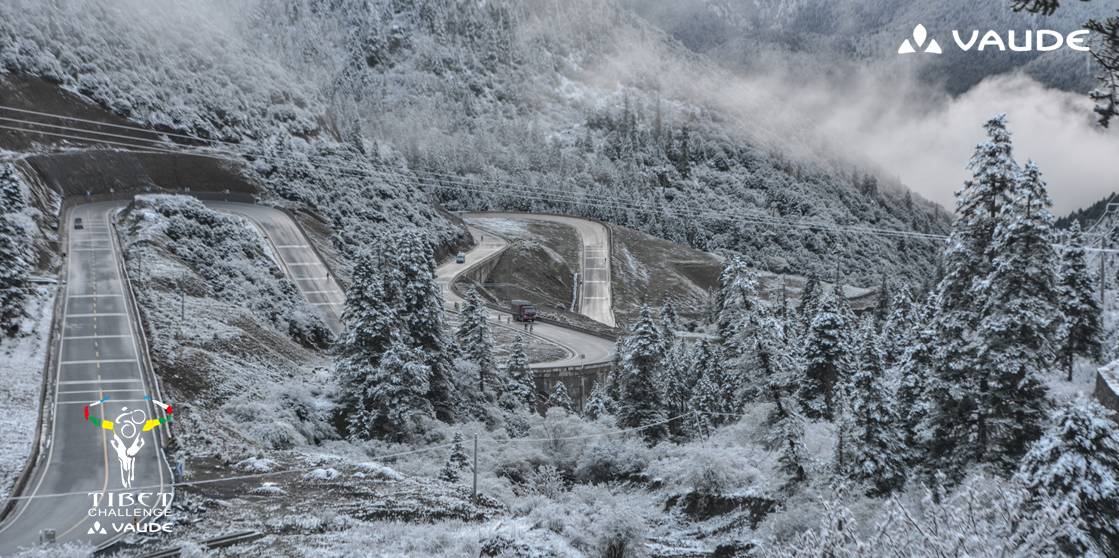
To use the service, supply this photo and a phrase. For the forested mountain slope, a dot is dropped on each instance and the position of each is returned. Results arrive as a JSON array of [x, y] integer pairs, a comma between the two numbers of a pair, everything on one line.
[[577, 107]]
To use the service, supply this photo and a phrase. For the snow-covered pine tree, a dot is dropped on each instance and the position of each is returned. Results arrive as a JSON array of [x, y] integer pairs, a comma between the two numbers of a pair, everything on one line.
[[560, 398], [393, 398], [669, 320], [715, 394], [826, 354], [520, 388], [809, 300], [874, 447], [897, 328], [642, 357], [914, 371], [1017, 324], [955, 390], [883, 304], [457, 461], [1077, 462], [677, 379], [14, 259], [738, 296], [786, 437], [448, 473], [371, 328], [1081, 328], [768, 366], [704, 406], [458, 456], [599, 403], [410, 287], [476, 340], [11, 189]]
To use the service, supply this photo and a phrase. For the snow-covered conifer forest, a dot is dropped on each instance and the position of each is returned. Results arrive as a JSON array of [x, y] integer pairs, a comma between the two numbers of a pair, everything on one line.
[[531, 278]]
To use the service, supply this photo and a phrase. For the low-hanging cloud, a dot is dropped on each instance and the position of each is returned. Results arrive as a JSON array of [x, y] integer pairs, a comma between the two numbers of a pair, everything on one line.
[[928, 147], [882, 116]]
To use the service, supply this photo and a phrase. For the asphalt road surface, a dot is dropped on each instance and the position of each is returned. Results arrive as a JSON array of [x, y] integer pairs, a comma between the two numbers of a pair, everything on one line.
[[299, 261], [99, 357], [594, 270], [581, 348]]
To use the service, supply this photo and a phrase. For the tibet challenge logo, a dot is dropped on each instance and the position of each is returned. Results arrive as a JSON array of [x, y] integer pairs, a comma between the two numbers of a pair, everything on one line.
[[134, 511], [128, 430]]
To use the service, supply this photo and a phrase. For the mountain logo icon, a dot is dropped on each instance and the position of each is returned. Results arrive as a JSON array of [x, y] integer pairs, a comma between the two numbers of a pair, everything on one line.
[[918, 43], [97, 529]]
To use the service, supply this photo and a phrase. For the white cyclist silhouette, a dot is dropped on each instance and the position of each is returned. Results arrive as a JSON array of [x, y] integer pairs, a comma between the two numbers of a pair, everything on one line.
[[128, 433], [127, 442]]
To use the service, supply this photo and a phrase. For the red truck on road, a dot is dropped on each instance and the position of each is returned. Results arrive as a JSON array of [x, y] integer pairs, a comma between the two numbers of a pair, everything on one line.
[[523, 311]]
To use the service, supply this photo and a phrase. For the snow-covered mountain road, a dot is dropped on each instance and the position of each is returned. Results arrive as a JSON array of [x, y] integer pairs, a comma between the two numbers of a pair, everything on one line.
[[583, 348], [595, 300], [296, 257], [98, 355]]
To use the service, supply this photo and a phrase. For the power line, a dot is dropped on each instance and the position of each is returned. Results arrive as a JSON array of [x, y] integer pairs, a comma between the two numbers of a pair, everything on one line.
[[452, 182], [383, 457], [462, 184]]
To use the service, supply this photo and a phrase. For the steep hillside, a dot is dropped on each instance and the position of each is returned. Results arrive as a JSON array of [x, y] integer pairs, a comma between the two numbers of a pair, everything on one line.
[[539, 105]]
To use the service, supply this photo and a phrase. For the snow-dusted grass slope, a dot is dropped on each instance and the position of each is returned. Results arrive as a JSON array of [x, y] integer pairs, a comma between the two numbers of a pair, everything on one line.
[[21, 366], [242, 367]]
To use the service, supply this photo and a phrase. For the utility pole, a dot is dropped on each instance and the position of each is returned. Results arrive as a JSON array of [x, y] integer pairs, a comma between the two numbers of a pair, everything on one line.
[[474, 486], [182, 309]]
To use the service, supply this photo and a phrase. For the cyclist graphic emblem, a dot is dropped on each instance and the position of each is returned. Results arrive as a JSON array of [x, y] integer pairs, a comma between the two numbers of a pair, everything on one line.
[[128, 428]]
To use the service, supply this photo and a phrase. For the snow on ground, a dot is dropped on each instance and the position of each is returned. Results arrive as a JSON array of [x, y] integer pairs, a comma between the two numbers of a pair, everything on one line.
[[21, 365]]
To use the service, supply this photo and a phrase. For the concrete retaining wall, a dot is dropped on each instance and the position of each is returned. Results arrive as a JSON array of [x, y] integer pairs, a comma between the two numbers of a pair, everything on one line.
[[1107, 386]]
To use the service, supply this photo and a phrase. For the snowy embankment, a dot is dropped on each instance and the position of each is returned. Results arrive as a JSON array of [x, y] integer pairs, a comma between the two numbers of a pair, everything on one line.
[[21, 365]]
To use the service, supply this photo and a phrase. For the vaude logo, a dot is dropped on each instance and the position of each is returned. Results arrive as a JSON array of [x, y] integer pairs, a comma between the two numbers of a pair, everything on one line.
[[1041, 40]]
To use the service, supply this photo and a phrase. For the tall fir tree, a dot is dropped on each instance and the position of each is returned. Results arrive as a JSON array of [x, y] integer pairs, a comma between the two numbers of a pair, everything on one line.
[[896, 330], [14, 252], [883, 304], [714, 399], [786, 437], [410, 287], [958, 385], [371, 329], [809, 300], [914, 370], [738, 296], [520, 389], [642, 356], [876, 455], [1077, 462], [677, 379], [393, 398], [669, 321], [476, 340], [1081, 329], [826, 355], [1017, 325]]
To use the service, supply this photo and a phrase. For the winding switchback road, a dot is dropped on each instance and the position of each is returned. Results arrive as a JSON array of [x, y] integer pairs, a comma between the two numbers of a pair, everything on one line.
[[582, 348]]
